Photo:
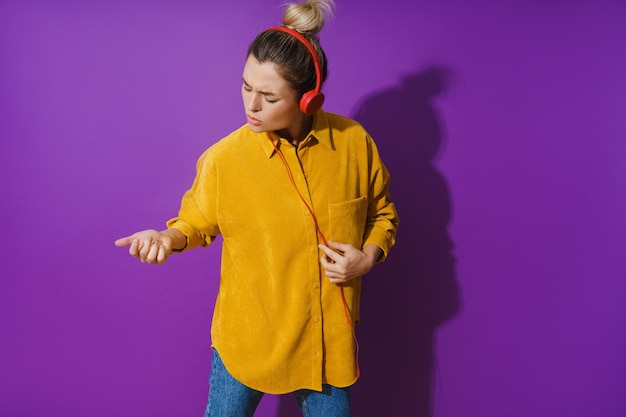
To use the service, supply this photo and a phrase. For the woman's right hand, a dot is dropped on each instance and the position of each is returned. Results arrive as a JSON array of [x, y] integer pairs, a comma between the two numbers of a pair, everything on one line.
[[151, 246]]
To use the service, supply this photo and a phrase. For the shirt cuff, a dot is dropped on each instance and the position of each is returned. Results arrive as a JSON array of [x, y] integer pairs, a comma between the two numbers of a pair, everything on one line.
[[381, 239], [193, 237]]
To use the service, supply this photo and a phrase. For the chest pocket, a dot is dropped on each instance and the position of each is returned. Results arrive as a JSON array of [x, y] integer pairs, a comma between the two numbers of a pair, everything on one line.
[[347, 221]]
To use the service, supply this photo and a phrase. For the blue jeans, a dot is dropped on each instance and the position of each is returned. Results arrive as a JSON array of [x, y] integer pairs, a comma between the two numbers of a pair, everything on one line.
[[230, 398]]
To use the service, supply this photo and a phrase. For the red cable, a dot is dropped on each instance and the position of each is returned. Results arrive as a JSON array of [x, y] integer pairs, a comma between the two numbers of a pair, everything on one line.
[[323, 239]]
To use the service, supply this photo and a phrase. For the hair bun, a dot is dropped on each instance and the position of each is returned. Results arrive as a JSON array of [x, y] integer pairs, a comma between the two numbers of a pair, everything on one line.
[[308, 17]]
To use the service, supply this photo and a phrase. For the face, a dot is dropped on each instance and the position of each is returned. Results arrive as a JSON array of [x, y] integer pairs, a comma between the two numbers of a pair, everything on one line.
[[270, 103]]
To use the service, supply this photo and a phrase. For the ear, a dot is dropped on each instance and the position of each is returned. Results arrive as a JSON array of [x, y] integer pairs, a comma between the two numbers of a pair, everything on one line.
[[311, 102]]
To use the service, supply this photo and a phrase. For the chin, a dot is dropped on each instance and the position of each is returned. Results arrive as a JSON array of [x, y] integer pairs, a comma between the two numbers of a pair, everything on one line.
[[256, 129]]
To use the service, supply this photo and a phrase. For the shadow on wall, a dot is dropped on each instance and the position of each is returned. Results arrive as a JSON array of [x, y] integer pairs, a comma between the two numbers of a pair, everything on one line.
[[406, 298]]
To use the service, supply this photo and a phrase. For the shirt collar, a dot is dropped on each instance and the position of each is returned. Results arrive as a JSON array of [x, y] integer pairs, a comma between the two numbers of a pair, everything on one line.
[[320, 132]]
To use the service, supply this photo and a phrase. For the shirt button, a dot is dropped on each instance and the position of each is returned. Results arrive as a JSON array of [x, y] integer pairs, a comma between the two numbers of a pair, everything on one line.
[[316, 319], [312, 250], [316, 286]]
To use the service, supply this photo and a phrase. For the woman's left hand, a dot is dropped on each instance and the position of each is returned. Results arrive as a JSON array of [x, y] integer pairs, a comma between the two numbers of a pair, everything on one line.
[[343, 262]]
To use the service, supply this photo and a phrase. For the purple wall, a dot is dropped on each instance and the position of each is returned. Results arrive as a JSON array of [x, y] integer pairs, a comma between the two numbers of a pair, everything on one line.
[[503, 127]]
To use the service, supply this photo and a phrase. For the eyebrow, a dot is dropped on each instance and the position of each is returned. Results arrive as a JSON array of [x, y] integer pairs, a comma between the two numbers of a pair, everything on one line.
[[265, 93]]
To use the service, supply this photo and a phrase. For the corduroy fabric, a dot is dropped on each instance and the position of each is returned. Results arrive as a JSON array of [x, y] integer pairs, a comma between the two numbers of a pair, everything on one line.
[[278, 323]]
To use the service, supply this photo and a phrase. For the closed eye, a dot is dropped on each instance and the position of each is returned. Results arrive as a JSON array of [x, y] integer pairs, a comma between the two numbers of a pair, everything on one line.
[[269, 97]]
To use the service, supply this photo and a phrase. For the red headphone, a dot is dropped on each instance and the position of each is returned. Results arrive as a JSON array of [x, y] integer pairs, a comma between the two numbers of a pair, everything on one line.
[[311, 101]]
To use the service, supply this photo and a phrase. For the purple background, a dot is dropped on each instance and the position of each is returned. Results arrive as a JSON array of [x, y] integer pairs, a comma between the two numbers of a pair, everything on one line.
[[504, 129]]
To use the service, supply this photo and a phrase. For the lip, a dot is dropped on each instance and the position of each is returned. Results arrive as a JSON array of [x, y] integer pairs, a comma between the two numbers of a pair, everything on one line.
[[253, 121]]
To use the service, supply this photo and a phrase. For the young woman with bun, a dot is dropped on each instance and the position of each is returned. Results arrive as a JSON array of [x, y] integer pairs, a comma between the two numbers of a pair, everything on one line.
[[300, 197]]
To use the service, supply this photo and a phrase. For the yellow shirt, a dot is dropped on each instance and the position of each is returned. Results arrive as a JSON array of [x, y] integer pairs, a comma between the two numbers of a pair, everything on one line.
[[279, 324]]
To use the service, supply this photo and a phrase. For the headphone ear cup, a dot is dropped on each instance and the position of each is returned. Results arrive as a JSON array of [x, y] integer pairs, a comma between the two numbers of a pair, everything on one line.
[[311, 102]]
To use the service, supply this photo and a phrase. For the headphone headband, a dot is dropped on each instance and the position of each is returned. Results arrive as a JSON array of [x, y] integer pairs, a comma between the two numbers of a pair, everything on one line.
[[311, 100]]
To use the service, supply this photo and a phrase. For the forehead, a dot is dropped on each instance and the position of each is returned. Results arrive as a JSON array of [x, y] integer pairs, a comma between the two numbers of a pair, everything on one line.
[[264, 76]]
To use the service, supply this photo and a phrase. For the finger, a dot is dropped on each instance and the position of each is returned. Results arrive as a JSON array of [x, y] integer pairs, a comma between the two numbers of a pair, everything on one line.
[[342, 247], [163, 254], [336, 277], [331, 274], [330, 254], [334, 280], [144, 249], [326, 262], [123, 241], [153, 252], [134, 248], [333, 269]]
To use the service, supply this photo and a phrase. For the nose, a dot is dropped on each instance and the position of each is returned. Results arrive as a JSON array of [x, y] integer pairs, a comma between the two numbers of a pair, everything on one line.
[[253, 102]]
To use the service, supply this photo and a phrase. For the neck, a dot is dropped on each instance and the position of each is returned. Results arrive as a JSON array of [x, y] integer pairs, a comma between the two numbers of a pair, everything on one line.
[[297, 132]]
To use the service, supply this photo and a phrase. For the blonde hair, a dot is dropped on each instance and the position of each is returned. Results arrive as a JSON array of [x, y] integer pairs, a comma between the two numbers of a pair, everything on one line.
[[308, 17]]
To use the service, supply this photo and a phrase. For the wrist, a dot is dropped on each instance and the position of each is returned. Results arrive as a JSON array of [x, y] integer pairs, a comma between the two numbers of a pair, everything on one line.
[[179, 239], [373, 252]]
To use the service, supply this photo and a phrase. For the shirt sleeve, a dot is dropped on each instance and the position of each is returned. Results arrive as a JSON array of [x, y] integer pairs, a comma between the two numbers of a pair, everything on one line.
[[197, 217], [382, 217]]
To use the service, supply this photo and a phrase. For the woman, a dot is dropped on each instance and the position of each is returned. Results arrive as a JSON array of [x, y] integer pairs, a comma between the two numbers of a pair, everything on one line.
[[275, 189]]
